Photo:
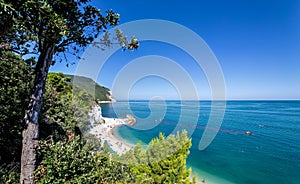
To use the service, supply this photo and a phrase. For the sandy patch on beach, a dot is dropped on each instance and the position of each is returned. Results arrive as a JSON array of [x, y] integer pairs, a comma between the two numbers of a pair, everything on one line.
[[105, 132]]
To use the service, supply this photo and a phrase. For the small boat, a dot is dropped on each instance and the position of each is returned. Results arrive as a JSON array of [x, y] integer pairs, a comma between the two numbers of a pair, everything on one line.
[[248, 133]]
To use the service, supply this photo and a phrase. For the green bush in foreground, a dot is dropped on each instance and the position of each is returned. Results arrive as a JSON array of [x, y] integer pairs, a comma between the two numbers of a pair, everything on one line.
[[164, 160], [10, 173], [76, 162]]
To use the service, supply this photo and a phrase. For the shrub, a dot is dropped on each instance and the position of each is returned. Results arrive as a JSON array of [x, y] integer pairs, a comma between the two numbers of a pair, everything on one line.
[[77, 162]]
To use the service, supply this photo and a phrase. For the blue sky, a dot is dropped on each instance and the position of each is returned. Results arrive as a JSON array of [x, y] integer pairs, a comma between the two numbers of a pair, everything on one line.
[[257, 44]]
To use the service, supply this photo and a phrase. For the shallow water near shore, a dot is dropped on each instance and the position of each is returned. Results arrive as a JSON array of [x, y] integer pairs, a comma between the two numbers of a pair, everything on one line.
[[270, 155]]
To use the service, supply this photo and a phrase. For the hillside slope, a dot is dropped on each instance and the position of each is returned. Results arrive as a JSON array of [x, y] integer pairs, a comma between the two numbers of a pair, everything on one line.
[[93, 88]]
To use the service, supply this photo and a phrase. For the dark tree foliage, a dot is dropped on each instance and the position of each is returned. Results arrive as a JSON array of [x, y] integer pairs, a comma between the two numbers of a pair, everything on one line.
[[30, 26], [15, 82]]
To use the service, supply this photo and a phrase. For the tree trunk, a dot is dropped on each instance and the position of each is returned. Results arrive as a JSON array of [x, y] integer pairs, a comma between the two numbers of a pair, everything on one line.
[[31, 125]]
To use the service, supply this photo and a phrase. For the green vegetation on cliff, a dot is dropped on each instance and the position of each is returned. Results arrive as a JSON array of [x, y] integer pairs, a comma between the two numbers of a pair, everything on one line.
[[97, 91]]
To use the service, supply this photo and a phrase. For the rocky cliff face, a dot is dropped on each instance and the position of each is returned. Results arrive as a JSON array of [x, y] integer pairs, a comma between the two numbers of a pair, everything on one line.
[[95, 115], [110, 97]]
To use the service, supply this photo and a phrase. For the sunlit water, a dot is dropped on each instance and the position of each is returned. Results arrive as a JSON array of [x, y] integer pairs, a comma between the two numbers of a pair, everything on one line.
[[270, 155]]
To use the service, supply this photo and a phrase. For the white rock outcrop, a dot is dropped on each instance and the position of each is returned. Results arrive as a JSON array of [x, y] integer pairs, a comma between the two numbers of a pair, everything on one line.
[[95, 115]]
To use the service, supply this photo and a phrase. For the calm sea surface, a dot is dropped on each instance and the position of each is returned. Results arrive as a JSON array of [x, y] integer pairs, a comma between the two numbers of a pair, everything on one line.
[[270, 155]]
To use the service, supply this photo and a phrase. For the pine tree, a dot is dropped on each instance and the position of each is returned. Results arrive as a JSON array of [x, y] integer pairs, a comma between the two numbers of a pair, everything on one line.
[[163, 161]]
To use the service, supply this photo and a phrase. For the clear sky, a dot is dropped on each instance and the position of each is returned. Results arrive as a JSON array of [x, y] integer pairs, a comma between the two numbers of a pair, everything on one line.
[[256, 42]]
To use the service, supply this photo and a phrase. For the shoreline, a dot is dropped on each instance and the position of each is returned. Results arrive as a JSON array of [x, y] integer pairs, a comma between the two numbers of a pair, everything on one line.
[[104, 102], [105, 132], [204, 177]]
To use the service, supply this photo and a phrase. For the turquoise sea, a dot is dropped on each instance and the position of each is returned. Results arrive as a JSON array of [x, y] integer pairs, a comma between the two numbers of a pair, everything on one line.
[[270, 155]]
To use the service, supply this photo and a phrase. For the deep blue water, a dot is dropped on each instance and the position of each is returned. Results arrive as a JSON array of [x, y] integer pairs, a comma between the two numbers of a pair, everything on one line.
[[270, 155]]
